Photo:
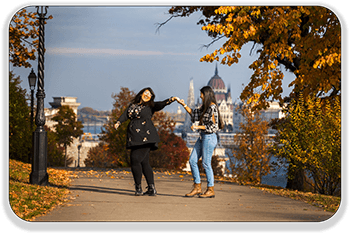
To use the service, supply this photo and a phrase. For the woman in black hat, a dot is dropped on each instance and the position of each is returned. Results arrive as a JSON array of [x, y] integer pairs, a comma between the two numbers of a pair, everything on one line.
[[142, 136]]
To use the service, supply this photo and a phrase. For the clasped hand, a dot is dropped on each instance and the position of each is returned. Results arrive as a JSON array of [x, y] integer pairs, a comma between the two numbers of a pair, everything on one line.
[[180, 101]]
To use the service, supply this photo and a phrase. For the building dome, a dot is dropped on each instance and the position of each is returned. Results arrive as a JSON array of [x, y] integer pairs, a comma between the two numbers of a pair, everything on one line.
[[216, 82], [218, 86]]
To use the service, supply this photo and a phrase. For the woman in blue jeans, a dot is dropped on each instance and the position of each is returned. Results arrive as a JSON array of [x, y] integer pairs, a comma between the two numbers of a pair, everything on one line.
[[209, 123]]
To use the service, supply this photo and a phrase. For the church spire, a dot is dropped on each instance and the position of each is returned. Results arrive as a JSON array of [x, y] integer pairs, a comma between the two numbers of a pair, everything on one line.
[[216, 70], [190, 104], [190, 97]]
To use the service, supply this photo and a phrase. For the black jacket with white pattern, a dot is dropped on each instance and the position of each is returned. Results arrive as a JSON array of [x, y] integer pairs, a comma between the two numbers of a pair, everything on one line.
[[141, 130]]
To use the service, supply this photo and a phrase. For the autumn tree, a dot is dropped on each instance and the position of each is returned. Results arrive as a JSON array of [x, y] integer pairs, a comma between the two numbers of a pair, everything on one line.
[[23, 38], [304, 40], [310, 140], [251, 156], [100, 156], [116, 139], [67, 127], [172, 153]]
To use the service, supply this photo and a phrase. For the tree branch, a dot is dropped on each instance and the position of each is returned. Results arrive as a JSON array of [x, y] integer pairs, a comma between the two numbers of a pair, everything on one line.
[[159, 25], [251, 50], [212, 42], [288, 65]]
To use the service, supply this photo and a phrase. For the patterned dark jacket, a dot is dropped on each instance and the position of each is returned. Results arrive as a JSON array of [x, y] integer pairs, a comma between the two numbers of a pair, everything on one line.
[[210, 126], [141, 130]]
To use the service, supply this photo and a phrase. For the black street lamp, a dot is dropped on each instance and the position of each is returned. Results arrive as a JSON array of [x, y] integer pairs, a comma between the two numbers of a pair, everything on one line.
[[39, 174], [32, 82], [79, 147]]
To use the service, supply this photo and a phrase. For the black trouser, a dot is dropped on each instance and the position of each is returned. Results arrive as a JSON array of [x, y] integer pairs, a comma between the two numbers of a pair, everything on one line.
[[139, 158]]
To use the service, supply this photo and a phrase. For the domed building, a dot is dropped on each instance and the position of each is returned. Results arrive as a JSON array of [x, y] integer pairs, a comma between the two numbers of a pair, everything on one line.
[[223, 98]]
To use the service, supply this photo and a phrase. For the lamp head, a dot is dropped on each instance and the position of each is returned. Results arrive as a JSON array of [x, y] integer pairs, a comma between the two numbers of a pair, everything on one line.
[[32, 80]]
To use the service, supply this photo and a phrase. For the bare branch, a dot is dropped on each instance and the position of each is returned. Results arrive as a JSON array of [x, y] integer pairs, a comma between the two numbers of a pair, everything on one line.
[[159, 25], [212, 42], [251, 50]]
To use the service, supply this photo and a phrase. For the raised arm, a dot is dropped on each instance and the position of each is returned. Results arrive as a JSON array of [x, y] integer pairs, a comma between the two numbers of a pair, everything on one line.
[[160, 105], [182, 102]]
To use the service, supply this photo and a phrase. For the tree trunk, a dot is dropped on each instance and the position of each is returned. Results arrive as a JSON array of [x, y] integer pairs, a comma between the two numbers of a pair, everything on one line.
[[65, 155], [298, 179]]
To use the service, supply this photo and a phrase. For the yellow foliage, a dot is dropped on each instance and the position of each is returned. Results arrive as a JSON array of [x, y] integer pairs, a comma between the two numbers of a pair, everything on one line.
[[311, 137], [251, 158], [23, 38], [28, 201], [305, 39]]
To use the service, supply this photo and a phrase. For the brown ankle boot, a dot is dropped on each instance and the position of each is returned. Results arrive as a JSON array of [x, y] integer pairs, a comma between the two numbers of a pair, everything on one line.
[[209, 193], [196, 190]]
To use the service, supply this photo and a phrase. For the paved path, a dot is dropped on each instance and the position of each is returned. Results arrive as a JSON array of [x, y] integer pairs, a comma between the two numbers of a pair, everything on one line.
[[110, 197]]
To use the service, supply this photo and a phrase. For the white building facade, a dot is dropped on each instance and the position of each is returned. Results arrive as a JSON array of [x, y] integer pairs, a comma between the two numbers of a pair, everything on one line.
[[223, 98]]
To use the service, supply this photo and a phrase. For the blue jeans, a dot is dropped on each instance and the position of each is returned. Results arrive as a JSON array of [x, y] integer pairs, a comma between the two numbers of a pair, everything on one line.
[[204, 148]]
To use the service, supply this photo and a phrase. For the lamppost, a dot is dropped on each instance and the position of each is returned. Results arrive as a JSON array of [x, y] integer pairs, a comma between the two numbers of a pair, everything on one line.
[[32, 82], [79, 147], [39, 174]]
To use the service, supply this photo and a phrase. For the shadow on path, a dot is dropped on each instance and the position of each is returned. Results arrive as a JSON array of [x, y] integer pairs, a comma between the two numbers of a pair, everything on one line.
[[126, 192], [102, 190]]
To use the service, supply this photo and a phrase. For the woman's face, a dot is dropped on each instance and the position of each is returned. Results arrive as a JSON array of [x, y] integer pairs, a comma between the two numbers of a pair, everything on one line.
[[146, 96], [202, 97]]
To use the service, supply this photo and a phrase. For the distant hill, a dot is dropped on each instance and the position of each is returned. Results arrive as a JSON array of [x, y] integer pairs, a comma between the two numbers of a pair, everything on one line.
[[88, 115], [90, 111]]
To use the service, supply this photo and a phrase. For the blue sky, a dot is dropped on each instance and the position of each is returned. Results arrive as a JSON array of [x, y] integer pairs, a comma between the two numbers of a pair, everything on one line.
[[93, 51]]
